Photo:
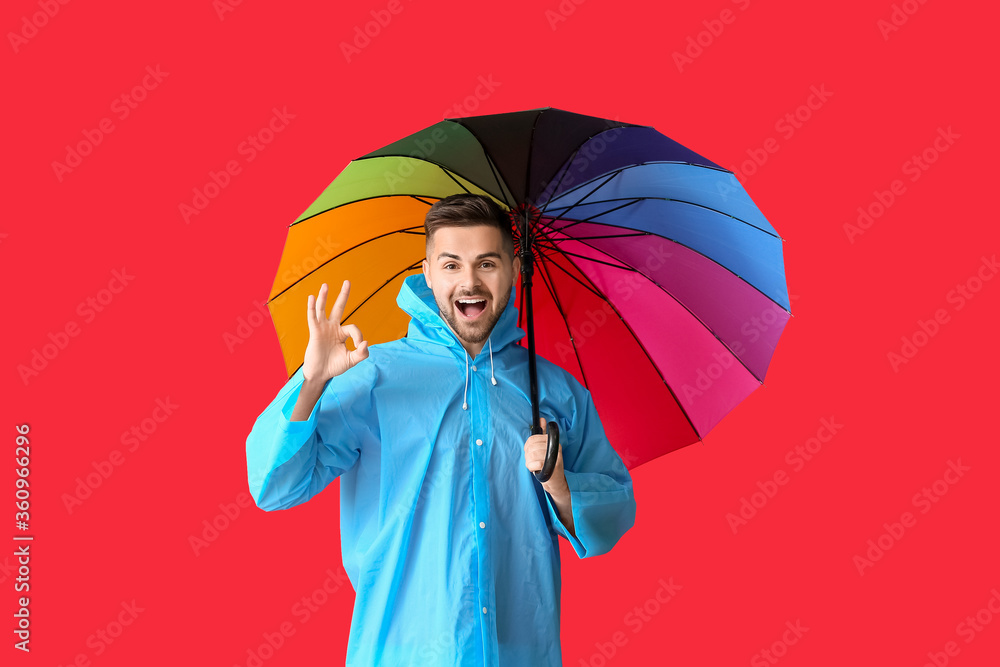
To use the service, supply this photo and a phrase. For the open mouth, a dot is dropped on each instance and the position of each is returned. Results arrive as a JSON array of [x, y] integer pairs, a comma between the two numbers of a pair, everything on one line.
[[470, 307]]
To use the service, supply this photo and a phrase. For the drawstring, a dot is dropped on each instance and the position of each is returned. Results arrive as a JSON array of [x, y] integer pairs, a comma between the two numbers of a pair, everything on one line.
[[492, 378], [465, 394]]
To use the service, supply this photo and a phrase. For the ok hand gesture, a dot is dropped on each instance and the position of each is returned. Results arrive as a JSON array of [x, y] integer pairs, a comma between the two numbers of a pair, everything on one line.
[[327, 355]]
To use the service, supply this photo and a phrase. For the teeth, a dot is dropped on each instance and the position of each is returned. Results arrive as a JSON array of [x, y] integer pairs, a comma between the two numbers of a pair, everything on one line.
[[471, 300]]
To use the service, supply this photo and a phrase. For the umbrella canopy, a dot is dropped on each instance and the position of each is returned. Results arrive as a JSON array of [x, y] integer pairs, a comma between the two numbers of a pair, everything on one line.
[[658, 282]]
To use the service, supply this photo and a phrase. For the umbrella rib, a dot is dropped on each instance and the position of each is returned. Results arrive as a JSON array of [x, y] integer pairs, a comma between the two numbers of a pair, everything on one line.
[[635, 165], [354, 201], [531, 149], [637, 342], [489, 159], [546, 278], [496, 176], [572, 221], [611, 236], [622, 168], [452, 177], [635, 200], [587, 287], [568, 163], [678, 301], [562, 176], [411, 267], [596, 188], [406, 230], [667, 238], [623, 267], [412, 196]]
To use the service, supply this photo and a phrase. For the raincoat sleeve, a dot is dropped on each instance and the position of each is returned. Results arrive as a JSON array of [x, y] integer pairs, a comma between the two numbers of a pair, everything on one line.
[[599, 483], [288, 462]]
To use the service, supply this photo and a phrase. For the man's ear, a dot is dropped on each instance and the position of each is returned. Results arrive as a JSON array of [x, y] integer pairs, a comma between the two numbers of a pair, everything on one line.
[[427, 272], [517, 270]]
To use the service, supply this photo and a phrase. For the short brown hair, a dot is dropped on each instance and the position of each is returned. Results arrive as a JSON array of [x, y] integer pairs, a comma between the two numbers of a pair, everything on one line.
[[467, 210]]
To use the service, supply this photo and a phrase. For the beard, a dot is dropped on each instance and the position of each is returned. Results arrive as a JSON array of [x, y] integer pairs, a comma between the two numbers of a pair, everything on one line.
[[473, 332]]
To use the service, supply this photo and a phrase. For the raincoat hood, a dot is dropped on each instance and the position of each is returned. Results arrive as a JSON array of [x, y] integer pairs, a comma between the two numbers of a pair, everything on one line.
[[417, 300]]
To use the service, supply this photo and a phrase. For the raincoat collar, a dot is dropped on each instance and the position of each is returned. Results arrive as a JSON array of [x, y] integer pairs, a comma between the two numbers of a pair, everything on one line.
[[417, 300]]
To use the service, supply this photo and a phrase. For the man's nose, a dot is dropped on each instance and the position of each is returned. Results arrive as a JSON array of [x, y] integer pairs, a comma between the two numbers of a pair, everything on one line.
[[471, 278]]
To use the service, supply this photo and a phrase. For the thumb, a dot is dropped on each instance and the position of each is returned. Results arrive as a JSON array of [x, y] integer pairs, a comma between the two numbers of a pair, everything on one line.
[[541, 421]]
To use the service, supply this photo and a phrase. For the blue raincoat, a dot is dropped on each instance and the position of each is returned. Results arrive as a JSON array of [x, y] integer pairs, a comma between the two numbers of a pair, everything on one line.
[[449, 541]]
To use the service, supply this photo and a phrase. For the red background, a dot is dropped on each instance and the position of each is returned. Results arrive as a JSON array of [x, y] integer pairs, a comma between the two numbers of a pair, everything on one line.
[[163, 335]]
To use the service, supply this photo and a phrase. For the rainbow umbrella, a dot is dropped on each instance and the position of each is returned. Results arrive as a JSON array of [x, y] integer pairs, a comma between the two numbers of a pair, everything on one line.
[[657, 282]]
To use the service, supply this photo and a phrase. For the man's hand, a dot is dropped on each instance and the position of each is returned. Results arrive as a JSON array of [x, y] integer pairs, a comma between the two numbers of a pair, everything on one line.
[[327, 355], [534, 458]]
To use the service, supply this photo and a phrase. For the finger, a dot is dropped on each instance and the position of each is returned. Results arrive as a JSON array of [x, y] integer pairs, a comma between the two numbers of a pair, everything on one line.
[[541, 420], [310, 312], [337, 314], [532, 461], [321, 302], [536, 446], [360, 354], [354, 332], [536, 462]]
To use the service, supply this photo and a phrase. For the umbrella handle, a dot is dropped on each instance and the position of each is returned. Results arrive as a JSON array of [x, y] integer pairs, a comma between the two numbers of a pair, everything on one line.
[[551, 453]]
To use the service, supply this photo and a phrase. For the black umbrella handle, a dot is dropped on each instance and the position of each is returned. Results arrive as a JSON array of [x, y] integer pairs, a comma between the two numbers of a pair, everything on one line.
[[551, 453]]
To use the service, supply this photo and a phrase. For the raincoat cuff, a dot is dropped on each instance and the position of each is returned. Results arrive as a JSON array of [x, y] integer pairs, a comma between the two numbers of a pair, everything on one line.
[[298, 428], [560, 527], [602, 511]]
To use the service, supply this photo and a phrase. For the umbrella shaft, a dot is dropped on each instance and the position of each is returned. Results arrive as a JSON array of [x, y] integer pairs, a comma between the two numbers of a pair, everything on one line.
[[527, 270]]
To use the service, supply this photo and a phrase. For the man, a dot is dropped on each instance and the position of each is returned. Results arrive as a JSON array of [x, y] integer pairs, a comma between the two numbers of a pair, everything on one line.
[[447, 537]]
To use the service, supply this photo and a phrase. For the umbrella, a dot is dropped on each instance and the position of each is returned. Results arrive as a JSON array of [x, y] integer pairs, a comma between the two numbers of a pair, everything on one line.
[[658, 283]]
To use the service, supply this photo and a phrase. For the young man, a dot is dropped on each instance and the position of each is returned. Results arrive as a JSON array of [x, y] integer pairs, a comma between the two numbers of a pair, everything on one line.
[[448, 539]]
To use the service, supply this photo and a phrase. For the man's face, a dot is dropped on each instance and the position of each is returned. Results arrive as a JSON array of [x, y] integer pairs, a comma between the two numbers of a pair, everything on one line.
[[471, 274]]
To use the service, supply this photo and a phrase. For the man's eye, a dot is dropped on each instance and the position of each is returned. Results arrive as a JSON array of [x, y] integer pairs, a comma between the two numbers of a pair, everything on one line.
[[449, 265], [487, 265]]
